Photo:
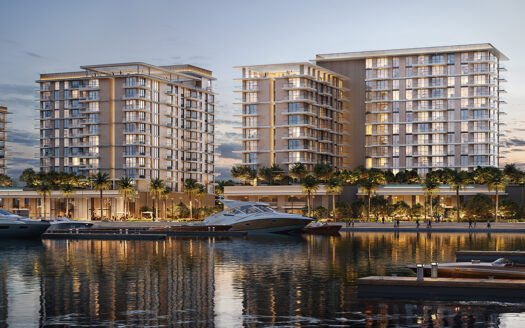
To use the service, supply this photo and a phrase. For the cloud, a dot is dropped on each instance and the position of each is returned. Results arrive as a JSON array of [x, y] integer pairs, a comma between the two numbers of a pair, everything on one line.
[[32, 54], [19, 89], [515, 142], [223, 173], [226, 150], [11, 42], [230, 122], [26, 138]]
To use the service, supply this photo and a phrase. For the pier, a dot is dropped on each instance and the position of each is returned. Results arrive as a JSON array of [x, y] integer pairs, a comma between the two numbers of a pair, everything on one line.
[[441, 288]]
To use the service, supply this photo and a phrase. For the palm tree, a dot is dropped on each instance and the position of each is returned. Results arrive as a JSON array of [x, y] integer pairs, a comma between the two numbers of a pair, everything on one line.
[[200, 193], [165, 194], [309, 185], [369, 180], [513, 174], [44, 189], [431, 188], [243, 173], [323, 171], [5, 181], [458, 180], [191, 188], [127, 190], [265, 174], [156, 186], [496, 181], [67, 191], [101, 182], [334, 186], [298, 171]]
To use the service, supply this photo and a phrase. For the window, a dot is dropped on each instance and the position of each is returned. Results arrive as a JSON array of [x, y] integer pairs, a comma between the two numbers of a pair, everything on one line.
[[464, 114], [250, 97], [450, 59], [294, 144], [250, 109], [296, 119], [395, 62], [382, 62], [464, 160]]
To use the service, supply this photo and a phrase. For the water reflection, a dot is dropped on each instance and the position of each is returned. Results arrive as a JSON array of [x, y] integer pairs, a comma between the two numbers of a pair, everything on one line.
[[258, 281]]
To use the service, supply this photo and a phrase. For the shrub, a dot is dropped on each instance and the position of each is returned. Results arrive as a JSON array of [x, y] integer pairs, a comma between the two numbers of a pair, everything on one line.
[[321, 212], [480, 207]]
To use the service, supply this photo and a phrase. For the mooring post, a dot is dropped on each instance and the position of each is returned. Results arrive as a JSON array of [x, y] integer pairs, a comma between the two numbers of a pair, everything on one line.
[[420, 273], [434, 270]]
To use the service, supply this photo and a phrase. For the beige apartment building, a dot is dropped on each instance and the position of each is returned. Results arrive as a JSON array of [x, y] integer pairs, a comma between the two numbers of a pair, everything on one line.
[[291, 113], [422, 108], [130, 119], [3, 139]]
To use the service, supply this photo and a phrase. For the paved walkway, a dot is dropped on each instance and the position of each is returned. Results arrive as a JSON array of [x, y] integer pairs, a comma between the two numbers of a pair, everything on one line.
[[436, 227]]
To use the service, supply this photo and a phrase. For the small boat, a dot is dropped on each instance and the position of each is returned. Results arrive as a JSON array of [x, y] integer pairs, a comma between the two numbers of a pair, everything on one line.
[[318, 228], [502, 268], [66, 223], [16, 226], [255, 217]]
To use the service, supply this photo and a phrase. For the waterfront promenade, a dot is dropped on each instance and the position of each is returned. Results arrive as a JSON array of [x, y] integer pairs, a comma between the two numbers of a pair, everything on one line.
[[411, 226]]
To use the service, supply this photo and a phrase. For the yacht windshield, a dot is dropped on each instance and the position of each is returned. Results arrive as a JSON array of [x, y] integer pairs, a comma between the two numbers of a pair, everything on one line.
[[249, 209], [264, 208], [4, 212]]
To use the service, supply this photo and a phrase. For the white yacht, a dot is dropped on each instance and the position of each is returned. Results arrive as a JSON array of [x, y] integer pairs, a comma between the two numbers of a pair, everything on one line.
[[66, 223], [15, 226], [256, 217]]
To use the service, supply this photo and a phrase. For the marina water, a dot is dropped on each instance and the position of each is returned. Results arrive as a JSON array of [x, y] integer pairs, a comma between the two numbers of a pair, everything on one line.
[[255, 281]]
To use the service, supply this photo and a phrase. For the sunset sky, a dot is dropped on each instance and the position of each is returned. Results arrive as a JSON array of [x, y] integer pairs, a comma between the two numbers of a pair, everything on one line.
[[55, 36]]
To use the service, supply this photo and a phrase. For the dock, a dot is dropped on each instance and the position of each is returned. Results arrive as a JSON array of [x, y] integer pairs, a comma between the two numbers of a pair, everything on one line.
[[441, 288], [137, 233], [103, 236], [489, 256]]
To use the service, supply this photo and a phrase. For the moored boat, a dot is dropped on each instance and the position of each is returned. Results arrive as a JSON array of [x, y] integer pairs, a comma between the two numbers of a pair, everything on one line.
[[322, 229], [256, 217], [66, 223], [16, 226], [500, 269]]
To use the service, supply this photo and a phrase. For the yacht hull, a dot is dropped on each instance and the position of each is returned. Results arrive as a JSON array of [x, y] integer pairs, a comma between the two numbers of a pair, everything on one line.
[[23, 231], [265, 225]]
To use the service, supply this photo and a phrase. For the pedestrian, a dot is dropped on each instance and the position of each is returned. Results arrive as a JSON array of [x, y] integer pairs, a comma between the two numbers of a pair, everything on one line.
[[469, 223], [488, 224], [430, 223], [383, 219], [417, 223], [397, 221]]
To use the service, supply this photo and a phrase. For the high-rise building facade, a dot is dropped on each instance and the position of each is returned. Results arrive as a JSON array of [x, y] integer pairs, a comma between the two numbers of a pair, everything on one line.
[[422, 108], [291, 113], [130, 119], [3, 139]]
